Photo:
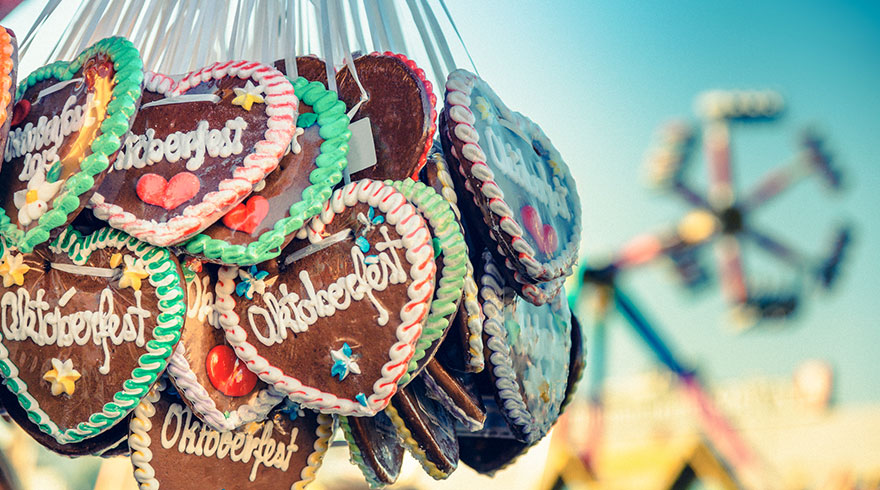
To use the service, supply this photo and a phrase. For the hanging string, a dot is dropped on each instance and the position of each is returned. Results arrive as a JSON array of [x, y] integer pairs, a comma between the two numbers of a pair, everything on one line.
[[290, 33], [440, 39], [426, 40], [455, 28], [391, 24], [47, 11]]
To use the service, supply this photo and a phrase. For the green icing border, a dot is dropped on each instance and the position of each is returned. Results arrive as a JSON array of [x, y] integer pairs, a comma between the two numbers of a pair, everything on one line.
[[450, 287], [333, 122], [164, 276], [121, 109], [354, 453]]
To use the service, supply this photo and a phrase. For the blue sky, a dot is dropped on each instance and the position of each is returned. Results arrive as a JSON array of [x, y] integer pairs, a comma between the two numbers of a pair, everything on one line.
[[600, 77]]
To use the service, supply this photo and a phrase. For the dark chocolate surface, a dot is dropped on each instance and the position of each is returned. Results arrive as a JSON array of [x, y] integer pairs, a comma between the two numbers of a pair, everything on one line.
[[381, 451], [431, 426], [493, 447], [400, 111], [308, 67], [459, 391]]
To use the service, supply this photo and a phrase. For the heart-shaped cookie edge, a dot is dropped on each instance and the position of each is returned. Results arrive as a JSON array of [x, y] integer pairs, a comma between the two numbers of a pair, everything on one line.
[[8, 69], [333, 121], [472, 308], [204, 406], [165, 277], [459, 85], [507, 386], [125, 98], [450, 284], [141, 455], [420, 255], [281, 106]]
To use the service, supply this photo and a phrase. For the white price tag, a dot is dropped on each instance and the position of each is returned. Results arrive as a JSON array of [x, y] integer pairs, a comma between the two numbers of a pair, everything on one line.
[[361, 149]]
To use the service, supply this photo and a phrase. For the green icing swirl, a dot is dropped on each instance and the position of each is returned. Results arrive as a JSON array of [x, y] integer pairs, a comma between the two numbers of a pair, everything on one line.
[[123, 104], [450, 285], [164, 276], [333, 122]]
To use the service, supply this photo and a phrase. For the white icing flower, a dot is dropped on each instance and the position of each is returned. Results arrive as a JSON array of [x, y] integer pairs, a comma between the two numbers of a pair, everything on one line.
[[33, 201], [343, 362]]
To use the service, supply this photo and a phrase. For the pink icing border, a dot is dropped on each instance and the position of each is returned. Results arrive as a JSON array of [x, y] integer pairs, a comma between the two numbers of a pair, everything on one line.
[[419, 253], [281, 106]]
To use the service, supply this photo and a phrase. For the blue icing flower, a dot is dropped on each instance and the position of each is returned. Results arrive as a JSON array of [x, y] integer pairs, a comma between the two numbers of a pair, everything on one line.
[[344, 362], [292, 410], [363, 244], [361, 398], [252, 280]]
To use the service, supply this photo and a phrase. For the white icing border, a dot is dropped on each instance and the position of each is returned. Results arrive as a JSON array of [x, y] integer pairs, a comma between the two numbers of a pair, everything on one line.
[[419, 253], [204, 406], [459, 85], [471, 303], [506, 384], [79, 255], [281, 106], [141, 455]]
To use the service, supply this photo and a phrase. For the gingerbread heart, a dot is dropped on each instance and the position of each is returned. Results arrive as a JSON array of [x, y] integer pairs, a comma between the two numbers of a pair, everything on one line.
[[88, 324], [527, 352], [335, 321], [70, 121], [426, 429], [400, 109], [374, 447], [517, 181], [171, 448], [212, 381], [451, 259], [468, 322], [196, 149], [8, 72], [257, 230]]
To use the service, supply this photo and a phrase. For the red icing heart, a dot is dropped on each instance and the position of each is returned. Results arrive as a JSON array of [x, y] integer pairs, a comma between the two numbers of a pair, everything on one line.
[[20, 111], [544, 235], [154, 189], [246, 217], [227, 373]]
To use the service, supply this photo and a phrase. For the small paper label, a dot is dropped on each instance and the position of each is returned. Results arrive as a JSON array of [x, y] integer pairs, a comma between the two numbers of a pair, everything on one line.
[[361, 149]]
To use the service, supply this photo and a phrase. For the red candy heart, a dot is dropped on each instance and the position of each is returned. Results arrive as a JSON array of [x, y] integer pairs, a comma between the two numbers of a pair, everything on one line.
[[154, 189], [227, 373], [246, 217], [544, 235]]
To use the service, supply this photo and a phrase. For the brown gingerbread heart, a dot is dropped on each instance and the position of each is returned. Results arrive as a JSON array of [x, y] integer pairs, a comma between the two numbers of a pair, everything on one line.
[[88, 324], [400, 108], [334, 322], [196, 149], [170, 447], [212, 381]]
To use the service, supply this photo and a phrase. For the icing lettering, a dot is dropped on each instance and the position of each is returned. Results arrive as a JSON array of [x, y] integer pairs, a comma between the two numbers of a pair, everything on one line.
[[200, 300], [23, 318], [511, 163], [289, 311], [40, 144], [180, 427], [143, 150]]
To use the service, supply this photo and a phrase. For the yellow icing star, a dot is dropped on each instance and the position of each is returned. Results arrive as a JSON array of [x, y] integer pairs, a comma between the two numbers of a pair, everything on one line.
[[133, 273], [483, 107], [555, 166], [252, 428], [62, 376], [115, 260], [13, 270], [246, 96]]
